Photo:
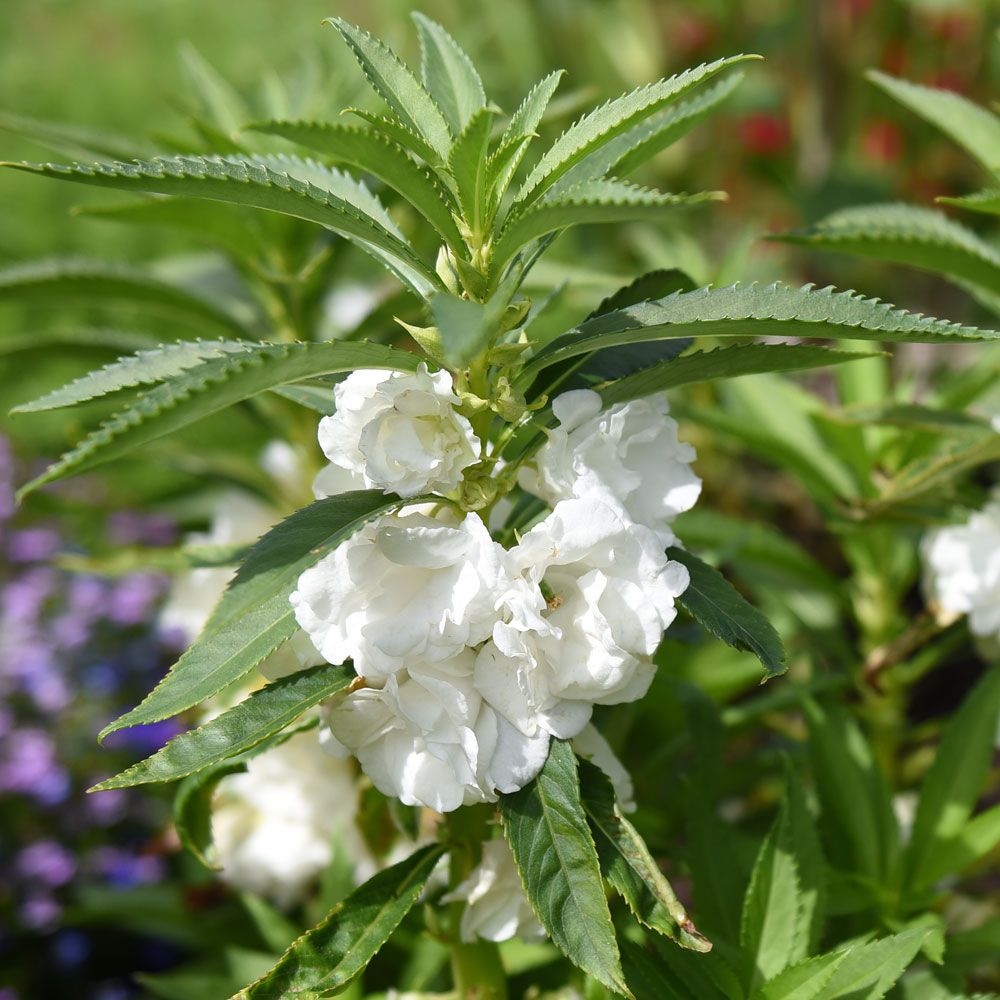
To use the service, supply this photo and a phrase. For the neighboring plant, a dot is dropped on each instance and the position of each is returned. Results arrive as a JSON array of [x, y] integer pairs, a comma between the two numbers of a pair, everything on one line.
[[493, 551]]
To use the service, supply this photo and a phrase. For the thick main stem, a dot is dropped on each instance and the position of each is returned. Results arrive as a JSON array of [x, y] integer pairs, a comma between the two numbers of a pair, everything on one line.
[[476, 968]]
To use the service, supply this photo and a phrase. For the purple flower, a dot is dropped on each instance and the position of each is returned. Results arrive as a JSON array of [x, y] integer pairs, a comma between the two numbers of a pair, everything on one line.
[[129, 527], [133, 598], [24, 597], [33, 545], [147, 738], [45, 861], [105, 808], [40, 912], [124, 869], [29, 766], [71, 948]]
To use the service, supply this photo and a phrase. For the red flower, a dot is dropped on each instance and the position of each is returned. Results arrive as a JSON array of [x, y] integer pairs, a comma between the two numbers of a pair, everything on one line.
[[765, 133], [881, 141]]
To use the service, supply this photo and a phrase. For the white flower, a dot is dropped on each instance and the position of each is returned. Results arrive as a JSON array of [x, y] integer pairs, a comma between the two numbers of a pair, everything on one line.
[[962, 569], [274, 827], [496, 907], [428, 738], [628, 453], [599, 593], [406, 588], [400, 431]]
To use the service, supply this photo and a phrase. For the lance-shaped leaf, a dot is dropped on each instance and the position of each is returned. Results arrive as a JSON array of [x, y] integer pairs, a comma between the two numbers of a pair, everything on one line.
[[378, 155], [610, 120], [210, 387], [719, 608], [245, 181], [986, 202], [449, 75], [74, 140], [397, 86], [142, 368], [547, 830], [804, 980], [597, 201], [731, 362], [627, 864], [330, 955], [52, 282], [468, 165], [907, 234], [261, 714], [254, 616], [956, 779], [775, 310], [974, 128], [870, 970]]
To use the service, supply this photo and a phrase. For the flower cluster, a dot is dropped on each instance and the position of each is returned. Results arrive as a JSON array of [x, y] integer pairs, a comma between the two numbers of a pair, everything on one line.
[[474, 655]]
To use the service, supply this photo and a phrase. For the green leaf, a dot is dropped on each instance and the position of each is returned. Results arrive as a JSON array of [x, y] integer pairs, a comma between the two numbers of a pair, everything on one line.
[[74, 140], [732, 362], [547, 830], [465, 325], [907, 234], [192, 809], [627, 864], [857, 822], [468, 165], [956, 779], [603, 124], [254, 616], [805, 980], [261, 714], [720, 609], [449, 75], [972, 843], [52, 282], [869, 971], [142, 368], [212, 386], [378, 155], [598, 201], [242, 181], [775, 310], [986, 202], [218, 98], [330, 955], [397, 86], [974, 128], [650, 978]]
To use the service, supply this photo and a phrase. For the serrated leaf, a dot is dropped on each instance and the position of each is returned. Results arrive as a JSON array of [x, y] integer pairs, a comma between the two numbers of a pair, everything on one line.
[[52, 281], [254, 616], [547, 830], [211, 386], [719, 608], [318, 398], [74, 140], [327, 957], [974, 128], [449, 75], [98, 338], [598, 201], [907, 234], [142, 368], [260, 715], [649, 978], [243, 181], [192, 809], [603, 124], [395, 130], [731, 362], [468, 165], [956, 779], [985, 202], [464, 325], [378, 155], [219, 100], [803, 981], [775, 310], [869, 970], [397, 86], [627, 864]]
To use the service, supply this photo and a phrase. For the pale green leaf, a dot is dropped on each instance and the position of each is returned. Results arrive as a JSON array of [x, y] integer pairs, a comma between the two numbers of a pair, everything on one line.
[[449, 75], [972, 843], [219, 100], [260, 715], [956, 779], [547, 830], [397, 86], [468, 165], [719, 608], [804, 980], [603, 124], [870, 970], [974, 128], [395, 130], [330, 955], [211, 386], [627, 864], [378, 155], [52, 282], [986, 202], [74, 140], [254, 616]]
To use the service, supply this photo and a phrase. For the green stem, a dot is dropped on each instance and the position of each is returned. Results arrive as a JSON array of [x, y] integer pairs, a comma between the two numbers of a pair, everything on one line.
[[476, 968]]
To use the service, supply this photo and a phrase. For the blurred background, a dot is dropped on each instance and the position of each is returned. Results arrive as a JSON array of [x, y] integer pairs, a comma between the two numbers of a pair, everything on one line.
[[805, 135]]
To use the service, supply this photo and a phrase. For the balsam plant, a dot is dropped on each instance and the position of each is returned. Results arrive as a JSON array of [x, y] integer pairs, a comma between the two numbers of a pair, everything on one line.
[[445, 665]]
